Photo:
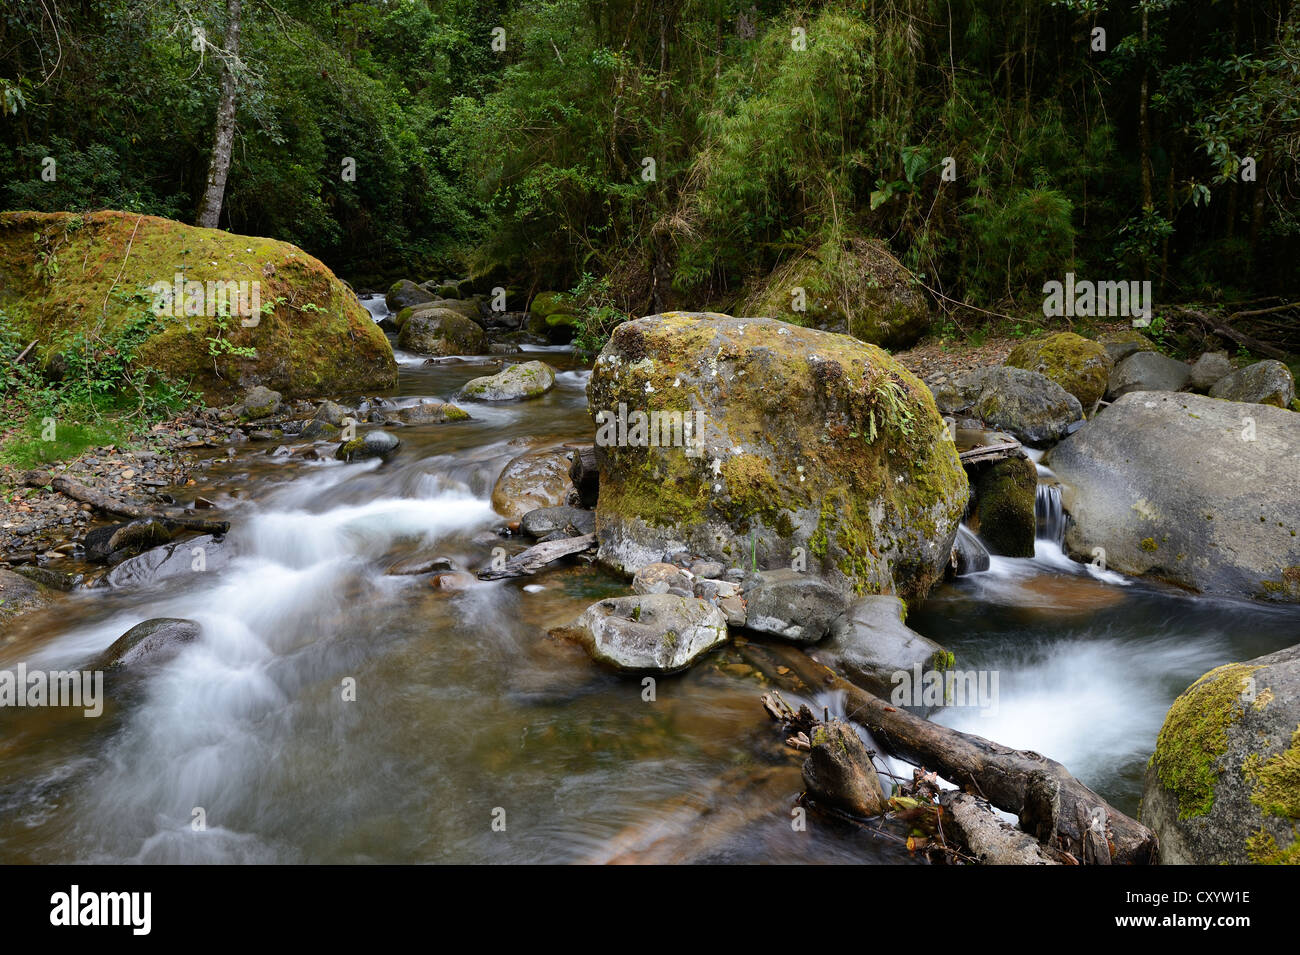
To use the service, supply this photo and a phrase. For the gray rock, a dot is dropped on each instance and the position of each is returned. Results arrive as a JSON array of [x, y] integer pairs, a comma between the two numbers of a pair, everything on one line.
[[375, 444], [431, 412], [196, 555], [405, 293], [1193, 490], [259, 402], [1147, 371], [18, 595], [869, 644], [1208, 370], [151, 642], [441, 332], [572, 521], [663, 578], [707, 568], [792, 605], [1031, 406], [1264, 383], [1221, 787], [657, 633], [531, 379], [333, 413], [532, 480]]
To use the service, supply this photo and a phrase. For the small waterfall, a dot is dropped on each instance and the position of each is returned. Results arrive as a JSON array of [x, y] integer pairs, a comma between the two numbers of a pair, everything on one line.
[[969, 554], [1049, 516]]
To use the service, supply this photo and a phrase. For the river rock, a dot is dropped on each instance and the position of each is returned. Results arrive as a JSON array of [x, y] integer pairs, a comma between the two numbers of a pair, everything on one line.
[[18, 595], [805, 441], [431, 412], [375, 444], [421, 564], [659, 633], [1265, 383], [1147, 371], [441, 332], [1197, 491], [259, 402], [1031, 406], [532, 480], [663, 578], [1120, 344], [791, 604], [838, 771], [869, 644], [151, 642], [531, 379], [195, 555], [1080, 366], [333, 413], [572, 521], [1223, 786], [1004, 493], [405, 293], [1209, 370]]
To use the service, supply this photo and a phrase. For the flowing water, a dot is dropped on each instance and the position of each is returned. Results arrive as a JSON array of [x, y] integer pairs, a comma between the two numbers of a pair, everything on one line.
[[467, 714]]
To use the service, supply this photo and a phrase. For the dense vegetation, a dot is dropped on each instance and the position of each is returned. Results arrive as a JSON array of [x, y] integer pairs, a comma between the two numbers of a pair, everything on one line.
[[776, 130]]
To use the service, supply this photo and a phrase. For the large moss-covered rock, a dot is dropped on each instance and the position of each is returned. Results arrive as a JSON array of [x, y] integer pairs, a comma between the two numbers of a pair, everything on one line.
[[441, 332], [62, 274], [807, 444], [860, 289], [1005, 493], [1200, 492], [1031, 406], [1080, 366], [1223, 785]]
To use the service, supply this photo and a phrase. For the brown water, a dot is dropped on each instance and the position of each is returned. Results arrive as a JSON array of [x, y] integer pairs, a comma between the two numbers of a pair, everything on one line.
[[465, 707]]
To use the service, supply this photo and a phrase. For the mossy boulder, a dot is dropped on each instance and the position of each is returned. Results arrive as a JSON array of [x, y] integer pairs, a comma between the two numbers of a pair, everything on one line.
[[404, 293], [551, 303], [1079, 365], [859, 288], [62, 275], [441, 332], [530, 379], [1223, 785], [1004, 495], [804, 448], [467, 307]]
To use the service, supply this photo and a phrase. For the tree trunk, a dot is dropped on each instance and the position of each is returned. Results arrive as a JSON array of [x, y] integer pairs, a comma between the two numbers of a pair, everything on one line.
[[223, 139], [1053, 806]]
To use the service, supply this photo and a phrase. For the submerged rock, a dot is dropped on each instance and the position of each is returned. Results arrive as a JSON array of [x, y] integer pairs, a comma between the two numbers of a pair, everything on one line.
[[531, 379], [532, 480], [195, 555], [1080, 366], [1223, 786], [151, 642], [1031, 406], [375, 444], [1196, 491], [658, 633], [844, 462], [1264, 383], [18, 595]]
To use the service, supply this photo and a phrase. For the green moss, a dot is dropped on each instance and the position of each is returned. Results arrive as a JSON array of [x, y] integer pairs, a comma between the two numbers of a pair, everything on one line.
[[1262, 849], [1149, 544], [1195, 736], [1276, 781], [1080, 366]]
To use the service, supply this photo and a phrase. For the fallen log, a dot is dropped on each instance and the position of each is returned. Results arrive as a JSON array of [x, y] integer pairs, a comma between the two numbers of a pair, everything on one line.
[[1210, 323], [1053, 806], [990, 452], [538, 556], [987, 837], [97, 499]]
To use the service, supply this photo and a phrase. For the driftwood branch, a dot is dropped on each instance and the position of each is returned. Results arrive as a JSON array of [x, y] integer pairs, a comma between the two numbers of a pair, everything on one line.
[[110, 505], [990, 839], [1053, 806], [538, 556]]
